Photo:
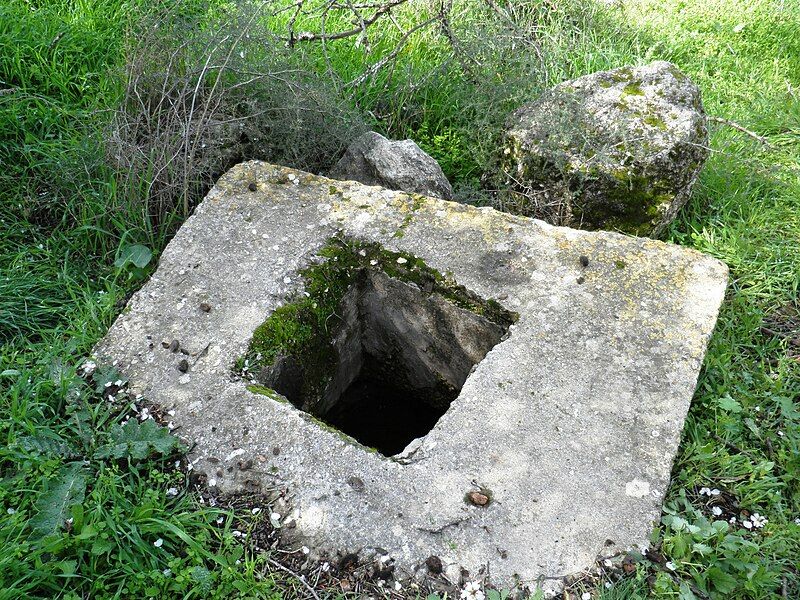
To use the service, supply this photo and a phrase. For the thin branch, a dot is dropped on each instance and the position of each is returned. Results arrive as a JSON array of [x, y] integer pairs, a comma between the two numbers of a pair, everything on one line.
[[744, 130], [392, 55], [307, 36], [299, 578]]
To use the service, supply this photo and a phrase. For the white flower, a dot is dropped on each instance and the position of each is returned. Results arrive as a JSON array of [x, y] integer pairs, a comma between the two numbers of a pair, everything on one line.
[[716, 510], [373, 262], [220, 520], [305, 549], [255, 511], [158, 543], [12, 511], [173, 491], [212, 483], [758, 520], [747, 524], [797, 521], [325, 567], [166, 572], [401, 261], [704, 491], [586, 596], [287, 280], [397, 586], [241, 54], [472, 591], [738, 28], [671, 565]]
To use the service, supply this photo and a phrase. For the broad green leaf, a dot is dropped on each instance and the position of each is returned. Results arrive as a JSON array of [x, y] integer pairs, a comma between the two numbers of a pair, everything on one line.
[[723, 582], [685, 592], [701, 549], [137, 440], [729, 404], [788, 408], [54, 505], [136, 254]]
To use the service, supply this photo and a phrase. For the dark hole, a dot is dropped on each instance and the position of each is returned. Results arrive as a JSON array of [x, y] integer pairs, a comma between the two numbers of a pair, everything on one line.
[[401, 357], [382, 416]]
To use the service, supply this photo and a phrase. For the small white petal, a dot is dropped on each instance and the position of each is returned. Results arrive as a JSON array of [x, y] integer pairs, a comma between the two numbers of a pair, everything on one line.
[[158, 543]]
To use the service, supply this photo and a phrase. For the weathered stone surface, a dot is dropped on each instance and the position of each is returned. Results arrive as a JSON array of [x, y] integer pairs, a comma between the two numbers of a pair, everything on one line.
[[619, 149], [398, 165], [568, 427]]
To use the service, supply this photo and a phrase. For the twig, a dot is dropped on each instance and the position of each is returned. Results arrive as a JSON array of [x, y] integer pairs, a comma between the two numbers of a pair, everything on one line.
[[728, 444], [744, 130], [777, 334], [392, 55], [299, 578], [311, 37]]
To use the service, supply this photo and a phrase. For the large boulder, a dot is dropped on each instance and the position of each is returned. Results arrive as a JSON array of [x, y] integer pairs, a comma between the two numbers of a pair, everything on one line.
[[617, 149], [398, 165]]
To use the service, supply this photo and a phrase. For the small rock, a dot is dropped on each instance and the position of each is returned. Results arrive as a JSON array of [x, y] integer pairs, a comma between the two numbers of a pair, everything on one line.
[[434, 564], [205, 307], [397, 165], [174, 346], [356, 483], [252, 187], [183, 366], [478, 498], [584, 260]]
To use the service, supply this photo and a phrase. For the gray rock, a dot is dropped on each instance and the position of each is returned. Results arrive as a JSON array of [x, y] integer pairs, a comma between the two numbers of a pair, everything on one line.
[[568, 425], [617, 149], [398, 165]]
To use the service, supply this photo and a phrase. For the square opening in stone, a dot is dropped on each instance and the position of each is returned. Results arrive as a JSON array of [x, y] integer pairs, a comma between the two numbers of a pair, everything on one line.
[[378, 346]]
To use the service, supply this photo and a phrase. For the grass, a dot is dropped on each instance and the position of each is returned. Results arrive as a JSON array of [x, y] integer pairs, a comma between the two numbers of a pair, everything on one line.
[[64, 222]]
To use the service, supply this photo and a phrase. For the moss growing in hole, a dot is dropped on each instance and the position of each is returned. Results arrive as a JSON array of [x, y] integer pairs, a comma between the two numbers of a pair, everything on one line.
[[263, 390], [304, 328]]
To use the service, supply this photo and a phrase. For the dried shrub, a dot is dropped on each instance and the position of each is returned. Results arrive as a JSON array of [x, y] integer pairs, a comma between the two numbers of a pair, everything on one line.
[[206, 88]]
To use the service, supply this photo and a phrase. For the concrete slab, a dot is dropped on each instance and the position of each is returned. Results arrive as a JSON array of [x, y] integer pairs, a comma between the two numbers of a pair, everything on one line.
[[570, 424]]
